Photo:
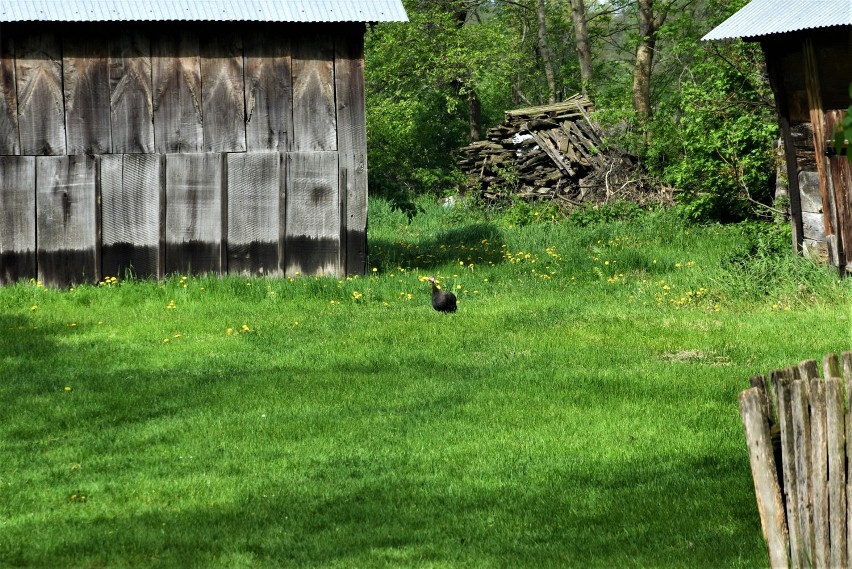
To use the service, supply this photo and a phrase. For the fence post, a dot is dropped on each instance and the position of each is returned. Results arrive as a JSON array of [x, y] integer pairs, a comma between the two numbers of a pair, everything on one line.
[[769, 502]]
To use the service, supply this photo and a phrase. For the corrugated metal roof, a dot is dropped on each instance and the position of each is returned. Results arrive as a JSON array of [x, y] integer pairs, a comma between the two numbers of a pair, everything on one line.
[[203, 10], [764, 17]]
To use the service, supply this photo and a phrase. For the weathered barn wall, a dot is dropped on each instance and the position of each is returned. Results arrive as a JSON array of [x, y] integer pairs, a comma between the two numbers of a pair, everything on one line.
[[810, 72], [193, 147]]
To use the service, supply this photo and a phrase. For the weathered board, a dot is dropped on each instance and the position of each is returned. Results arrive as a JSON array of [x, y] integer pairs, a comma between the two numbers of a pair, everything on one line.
[[176, 72], [38, 79], [352, 147], [222, 93], [131, 97], [10, 140], [312, 243], [841, 178], [130, 215], [66, 220], [17, 218], [254, 194], [85, 74], [193, 213], [314, 121], [268, 98]]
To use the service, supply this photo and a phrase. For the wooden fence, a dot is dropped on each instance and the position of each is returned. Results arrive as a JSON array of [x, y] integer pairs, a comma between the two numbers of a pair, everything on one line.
[[796, 425]]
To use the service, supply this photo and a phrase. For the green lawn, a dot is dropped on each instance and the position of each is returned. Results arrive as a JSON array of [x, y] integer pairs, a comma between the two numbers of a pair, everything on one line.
[[580, 409]]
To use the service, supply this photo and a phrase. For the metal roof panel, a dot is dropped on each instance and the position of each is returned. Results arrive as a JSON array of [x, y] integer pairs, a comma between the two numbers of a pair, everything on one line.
[[203, 10], [764, 17]]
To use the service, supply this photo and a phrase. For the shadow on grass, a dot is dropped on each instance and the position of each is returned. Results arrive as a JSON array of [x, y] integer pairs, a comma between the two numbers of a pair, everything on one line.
[[480, 244], [647, 519]]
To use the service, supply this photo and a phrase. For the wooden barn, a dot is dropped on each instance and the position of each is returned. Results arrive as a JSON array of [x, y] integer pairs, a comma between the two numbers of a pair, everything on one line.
[[808, 49], [183, 136]]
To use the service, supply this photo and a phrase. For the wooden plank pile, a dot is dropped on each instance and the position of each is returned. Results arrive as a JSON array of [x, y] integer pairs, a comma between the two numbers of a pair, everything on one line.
[[552, 151], [795, 423]]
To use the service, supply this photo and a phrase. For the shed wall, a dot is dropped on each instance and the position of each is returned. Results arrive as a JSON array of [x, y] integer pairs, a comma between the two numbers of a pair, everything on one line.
[[181, 147]]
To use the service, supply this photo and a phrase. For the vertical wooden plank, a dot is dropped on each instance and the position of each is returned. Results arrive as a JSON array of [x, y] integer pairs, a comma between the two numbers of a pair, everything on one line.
[[10, 138], [846, 358], [130, 213], [788, 463], [193, 213], [830, 366], [352, 145], [836, 441], [819, 473], [17, 219], [314, 117], [841, 181], [763, 470], [253, 212], [38, 78], [269, 104], [817, 116], [131, 94], [312, 244], [808, 369], [176, 71], [800, 413], [86, 85], [223, 93], [66, 220]]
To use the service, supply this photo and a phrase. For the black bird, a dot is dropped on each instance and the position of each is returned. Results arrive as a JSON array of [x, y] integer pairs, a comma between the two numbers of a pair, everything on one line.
[[442, 301]]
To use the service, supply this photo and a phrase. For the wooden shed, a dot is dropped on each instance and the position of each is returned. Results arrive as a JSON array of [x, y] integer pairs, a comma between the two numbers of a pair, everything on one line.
[[183, 136], [808, 49]]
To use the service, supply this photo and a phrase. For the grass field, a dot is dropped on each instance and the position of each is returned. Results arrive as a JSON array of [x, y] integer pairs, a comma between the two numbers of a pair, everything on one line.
[[579, 410]]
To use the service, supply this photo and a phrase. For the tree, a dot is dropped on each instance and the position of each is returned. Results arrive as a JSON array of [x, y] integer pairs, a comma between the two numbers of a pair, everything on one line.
[[544, 49], [581, 40]]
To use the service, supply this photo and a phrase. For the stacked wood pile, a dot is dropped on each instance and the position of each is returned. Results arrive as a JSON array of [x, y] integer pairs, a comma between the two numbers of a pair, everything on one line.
[[795, 424], [552, 152]]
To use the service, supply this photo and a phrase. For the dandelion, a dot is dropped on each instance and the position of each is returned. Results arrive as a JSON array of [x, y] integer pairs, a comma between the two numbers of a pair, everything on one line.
[[229, 331], [166, 340], [375, 270], [72, 324], [178, 335], [171, 305], [67, 388], [357, 295], [245, 328], [34, 307]]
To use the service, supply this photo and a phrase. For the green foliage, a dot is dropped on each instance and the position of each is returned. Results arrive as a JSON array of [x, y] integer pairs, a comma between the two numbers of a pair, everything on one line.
[[590, 214], [720, 150], [843, 132]]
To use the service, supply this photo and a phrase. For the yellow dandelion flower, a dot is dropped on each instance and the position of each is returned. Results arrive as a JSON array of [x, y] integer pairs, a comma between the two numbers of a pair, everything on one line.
[[67, 388], [33, 307], [245, 328], [229, 331]]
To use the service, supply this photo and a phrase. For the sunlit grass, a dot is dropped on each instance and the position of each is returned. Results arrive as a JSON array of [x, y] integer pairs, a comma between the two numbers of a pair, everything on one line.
[[578, 410]]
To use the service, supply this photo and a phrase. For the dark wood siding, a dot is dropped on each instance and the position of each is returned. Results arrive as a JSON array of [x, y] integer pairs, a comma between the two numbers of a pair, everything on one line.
[[269, 106], [200, 147], [131, 98], [41, 108], [17, 218], [176, 71], [222, 93], [66, 219], [314, 121], [130, 213], [254, 187], [10, 140], [312, 244], [85, 67], [194, 213]]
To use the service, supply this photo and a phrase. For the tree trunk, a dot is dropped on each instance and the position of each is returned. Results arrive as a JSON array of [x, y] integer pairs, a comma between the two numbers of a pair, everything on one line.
[[644, 60], [581, 39], [544, 50], [474, 112]]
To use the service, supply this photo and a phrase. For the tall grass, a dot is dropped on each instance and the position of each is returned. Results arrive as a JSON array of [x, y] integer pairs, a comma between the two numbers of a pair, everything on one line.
[[578, 410]]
